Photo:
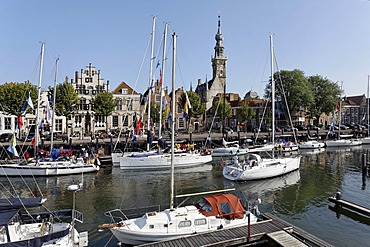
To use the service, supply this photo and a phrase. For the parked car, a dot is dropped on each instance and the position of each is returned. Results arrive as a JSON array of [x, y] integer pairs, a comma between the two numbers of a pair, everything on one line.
[[6, 137], [227, 130]]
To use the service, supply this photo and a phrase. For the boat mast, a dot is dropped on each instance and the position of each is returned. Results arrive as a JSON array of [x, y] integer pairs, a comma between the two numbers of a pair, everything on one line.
[[272, 93], [173, 122], [54, 97], [38, 100], [161, 79], [367, 105], [150, 81], [340, 110]]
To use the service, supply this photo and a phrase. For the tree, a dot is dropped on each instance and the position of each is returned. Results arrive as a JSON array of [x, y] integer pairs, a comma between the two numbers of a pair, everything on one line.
[[326, 94], [197, 108], [291, 88], [104, 104], [245, 113], [66, 99], [154, 112], [224, 109], [13, 96]]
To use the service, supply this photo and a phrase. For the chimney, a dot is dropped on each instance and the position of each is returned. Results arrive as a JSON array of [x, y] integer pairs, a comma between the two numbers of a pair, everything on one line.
[[76, 76]]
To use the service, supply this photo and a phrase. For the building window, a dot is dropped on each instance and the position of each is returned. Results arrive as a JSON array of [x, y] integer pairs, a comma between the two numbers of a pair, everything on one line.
[[115, 121], [181, 123], [124, 91], [58, 125], [119, 105], [157, 97], [179, 109], [129, 104], [8, 123], [125, 120]]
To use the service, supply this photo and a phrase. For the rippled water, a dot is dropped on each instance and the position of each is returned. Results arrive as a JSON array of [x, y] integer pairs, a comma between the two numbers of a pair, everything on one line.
[[300, 198]]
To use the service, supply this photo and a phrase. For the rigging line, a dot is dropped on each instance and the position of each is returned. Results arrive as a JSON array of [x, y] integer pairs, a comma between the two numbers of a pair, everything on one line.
[[136, 82], [213, 120], [109, 240]]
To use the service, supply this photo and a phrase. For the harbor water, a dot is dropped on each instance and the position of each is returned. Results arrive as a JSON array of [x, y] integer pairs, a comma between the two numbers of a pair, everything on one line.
[[300, 198]]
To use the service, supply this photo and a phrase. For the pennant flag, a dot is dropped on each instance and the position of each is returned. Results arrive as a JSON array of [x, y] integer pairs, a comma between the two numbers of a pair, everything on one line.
[[29, 101], [159, 63], [339, 105], [12, 148], [33, 142], [169, 118]]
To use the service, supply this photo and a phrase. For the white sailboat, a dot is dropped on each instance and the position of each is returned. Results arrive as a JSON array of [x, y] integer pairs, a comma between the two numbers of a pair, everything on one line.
[[205, 216], [158, 160], [229, 149], [342, 140], [254, 166], [47, 166]]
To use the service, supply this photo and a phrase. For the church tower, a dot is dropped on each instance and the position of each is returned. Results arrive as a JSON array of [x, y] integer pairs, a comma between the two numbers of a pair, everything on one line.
[[219, 59]]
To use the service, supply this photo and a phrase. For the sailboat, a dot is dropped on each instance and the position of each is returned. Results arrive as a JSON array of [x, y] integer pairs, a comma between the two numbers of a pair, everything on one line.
[[342, 140], [158, 160], [47, 166], [207, 215], [254, 167]]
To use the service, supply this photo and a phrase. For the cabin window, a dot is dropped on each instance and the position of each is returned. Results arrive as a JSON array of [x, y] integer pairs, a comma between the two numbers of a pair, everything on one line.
[[199, 222], [225, 208], [185, 223], [151, 226], [204, 205]]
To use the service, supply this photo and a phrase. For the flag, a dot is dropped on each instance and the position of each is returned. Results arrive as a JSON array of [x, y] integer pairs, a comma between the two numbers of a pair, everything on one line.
[[159, 63], [187, 100], [338, 105], [169, 118], [160, 78], [33, 142], [48, 113], [29, 101], [185, 111], [20, 121], [12, 148]]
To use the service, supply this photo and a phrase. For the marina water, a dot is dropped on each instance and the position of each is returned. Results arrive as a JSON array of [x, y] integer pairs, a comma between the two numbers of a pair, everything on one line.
[[300, 198]]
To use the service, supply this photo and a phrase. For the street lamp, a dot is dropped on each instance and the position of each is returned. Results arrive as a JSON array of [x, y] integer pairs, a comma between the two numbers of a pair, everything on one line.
[[74, 188]]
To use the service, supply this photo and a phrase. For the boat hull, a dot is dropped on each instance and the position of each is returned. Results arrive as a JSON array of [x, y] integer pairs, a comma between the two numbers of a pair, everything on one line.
[[311, 145], [343, 143], [163, 161]]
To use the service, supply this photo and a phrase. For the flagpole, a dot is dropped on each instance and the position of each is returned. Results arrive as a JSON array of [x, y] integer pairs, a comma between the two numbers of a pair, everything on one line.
[[38, 100], [161, 80], [54, 97]]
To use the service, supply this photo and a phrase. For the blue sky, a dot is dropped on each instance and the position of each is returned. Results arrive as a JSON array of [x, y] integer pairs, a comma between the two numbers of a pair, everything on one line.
[[326, 37]]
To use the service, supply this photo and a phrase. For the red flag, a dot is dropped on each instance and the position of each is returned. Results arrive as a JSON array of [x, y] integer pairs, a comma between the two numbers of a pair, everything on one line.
[[33, 142], [20, 121], [160, 77], [338, 105]]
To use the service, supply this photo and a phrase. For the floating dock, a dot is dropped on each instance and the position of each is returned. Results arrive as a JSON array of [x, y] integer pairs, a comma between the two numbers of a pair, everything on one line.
[[271, 229]]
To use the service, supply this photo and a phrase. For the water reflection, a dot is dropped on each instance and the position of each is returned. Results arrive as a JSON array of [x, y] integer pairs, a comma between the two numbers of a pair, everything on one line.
[[299, 198]]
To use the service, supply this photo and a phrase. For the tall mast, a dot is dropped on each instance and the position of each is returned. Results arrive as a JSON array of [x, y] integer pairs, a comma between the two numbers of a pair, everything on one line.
[[150, 80], [38, 99], [54, 97], [340, 110], [161, 79], [173, 121], [272, 92], [367, 106]]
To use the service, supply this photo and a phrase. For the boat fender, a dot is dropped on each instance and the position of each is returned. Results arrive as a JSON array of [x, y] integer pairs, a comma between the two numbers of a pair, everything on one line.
[[245, 167], [253, 163]]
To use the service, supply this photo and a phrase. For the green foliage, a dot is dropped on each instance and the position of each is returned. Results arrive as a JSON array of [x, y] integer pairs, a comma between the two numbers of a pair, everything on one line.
[[224, 109], [293, 87], [13, 96], [104, 104], [197, 108], [66, 99], [245, 113], [326, 94], [154, 112]]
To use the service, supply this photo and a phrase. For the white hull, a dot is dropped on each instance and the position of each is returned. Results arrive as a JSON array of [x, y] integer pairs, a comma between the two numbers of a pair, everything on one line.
[[228, 151], [311, 145], [46, 169], [164, 225], [343, 143], [158, 161], [264, 148], [116, 156], [366, 140], [261, 169]]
